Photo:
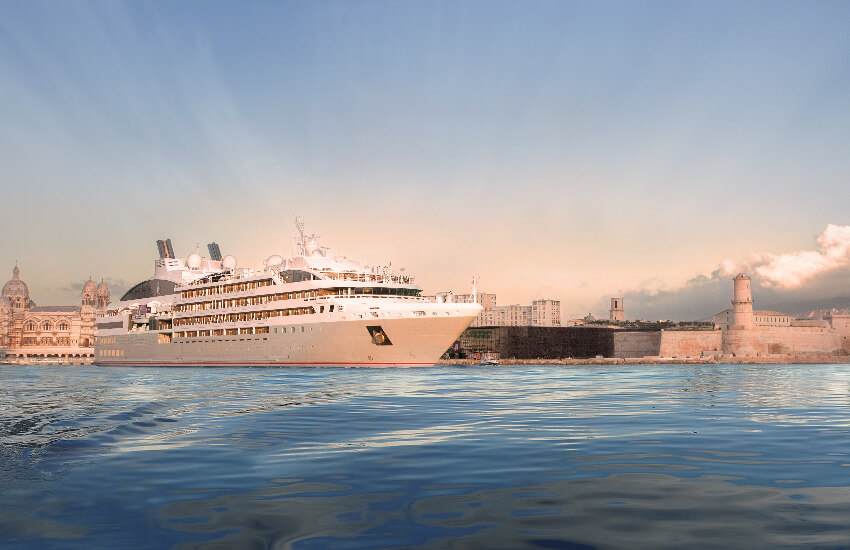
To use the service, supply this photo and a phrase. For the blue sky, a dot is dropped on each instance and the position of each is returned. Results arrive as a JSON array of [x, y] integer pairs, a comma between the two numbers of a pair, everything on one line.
[[573, 150]]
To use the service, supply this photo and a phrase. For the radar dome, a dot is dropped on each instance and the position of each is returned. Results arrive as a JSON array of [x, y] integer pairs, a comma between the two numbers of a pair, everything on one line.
[[273, 261], [229, 262], [194, 260]]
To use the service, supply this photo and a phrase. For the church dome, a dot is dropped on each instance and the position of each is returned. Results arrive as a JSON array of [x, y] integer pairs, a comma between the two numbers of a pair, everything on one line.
[[16, 288], [89, 287], [102, 289]]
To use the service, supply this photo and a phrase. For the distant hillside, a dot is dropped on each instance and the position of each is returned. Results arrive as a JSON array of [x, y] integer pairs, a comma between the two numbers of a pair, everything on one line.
[[814, 309]]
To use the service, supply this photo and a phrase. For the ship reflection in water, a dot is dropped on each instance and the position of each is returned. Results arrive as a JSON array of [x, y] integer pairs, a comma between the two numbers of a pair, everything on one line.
[[492, 457]]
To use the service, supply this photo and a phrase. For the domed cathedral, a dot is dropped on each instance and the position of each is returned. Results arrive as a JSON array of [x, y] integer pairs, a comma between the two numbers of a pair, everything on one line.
[[17, 291], [30, 333], [89, 293], [102, 296]]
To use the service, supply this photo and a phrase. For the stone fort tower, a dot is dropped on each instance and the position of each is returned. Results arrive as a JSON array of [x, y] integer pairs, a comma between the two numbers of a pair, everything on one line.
[[742, 302], [616, 313], [738, 339]]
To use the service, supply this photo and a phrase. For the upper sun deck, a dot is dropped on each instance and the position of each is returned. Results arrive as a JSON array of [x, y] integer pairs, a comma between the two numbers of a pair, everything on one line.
[[313, 263], [301, 269]]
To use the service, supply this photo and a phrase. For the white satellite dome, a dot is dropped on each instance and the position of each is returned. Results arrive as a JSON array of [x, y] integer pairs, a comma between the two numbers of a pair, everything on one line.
[[228, 262], [194, 260], [274, 260]]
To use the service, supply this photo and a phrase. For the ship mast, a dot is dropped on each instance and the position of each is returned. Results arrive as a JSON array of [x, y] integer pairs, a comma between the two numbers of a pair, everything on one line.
[[299, 226]]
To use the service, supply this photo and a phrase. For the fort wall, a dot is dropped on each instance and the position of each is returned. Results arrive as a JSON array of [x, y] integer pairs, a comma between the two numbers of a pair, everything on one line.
[[688, 343], [628, 344], [840, 323], [796, 341]]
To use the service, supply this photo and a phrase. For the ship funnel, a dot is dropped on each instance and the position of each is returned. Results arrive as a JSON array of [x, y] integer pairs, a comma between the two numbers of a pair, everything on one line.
[[215, 252], [165, 249]]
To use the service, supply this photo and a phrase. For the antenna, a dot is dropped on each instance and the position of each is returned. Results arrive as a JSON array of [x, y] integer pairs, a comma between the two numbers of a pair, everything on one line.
[[474, 290]]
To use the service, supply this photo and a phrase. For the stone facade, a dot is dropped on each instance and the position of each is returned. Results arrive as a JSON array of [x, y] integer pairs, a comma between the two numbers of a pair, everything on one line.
[[748, 333], [761, 318], [30, 333], [616, 312], [689, 343], [742, 331], [840, 323]]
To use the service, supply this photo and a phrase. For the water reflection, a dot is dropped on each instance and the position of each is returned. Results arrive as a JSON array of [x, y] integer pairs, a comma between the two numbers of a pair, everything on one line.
[[505, 457], [618, 511]]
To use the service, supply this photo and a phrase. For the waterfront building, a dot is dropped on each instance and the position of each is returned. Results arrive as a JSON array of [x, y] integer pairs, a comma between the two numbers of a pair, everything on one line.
[[761, 318], [541, 313], [30, 333], [546, 313]]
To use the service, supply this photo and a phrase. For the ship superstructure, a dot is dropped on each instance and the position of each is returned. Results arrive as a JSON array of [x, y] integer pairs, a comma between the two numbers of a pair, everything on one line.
[[311, 309]]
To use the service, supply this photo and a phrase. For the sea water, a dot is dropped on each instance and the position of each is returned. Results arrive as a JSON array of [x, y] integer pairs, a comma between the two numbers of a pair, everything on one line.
[[627, 456]]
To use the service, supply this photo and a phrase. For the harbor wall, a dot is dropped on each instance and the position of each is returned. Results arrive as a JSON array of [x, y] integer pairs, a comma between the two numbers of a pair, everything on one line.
[[592, 342], [797, 341], [688, 343]]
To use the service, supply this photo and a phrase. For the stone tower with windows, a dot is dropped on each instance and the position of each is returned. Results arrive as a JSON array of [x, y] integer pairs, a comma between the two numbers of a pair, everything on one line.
[[738, 339], [616, 313]]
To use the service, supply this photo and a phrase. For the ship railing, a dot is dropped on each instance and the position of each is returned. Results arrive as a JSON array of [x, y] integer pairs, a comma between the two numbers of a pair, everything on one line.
[[362, 277]]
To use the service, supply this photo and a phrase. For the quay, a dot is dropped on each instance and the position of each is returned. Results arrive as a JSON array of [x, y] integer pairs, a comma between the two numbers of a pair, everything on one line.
[[792, 359]]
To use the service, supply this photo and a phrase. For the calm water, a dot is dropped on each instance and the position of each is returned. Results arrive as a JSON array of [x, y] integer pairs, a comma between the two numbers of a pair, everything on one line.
[[497, 457]]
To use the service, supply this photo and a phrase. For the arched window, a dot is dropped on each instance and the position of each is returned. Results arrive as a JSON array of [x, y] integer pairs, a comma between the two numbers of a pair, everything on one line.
[[64, 326], [46, 326], [30, 326]]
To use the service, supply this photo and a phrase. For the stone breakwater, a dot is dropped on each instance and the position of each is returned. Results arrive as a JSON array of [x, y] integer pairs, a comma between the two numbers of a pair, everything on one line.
[[801, 359]]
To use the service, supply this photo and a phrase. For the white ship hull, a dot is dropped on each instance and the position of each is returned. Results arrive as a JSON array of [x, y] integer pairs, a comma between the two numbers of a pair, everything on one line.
[[309, 310], [415, 342]]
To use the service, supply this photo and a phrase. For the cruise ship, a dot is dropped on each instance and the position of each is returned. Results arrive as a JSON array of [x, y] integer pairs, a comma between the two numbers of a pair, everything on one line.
[[311, 309]]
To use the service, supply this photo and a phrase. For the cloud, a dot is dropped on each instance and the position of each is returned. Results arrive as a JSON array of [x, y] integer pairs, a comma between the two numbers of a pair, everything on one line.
[[792, 277], [790, 270], [116, 287]]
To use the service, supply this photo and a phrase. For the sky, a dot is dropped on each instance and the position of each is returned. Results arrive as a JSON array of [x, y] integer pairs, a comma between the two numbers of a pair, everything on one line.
[[566, 150]]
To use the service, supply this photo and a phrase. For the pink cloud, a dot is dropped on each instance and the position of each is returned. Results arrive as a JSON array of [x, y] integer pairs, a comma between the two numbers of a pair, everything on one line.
[[791, 269]]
